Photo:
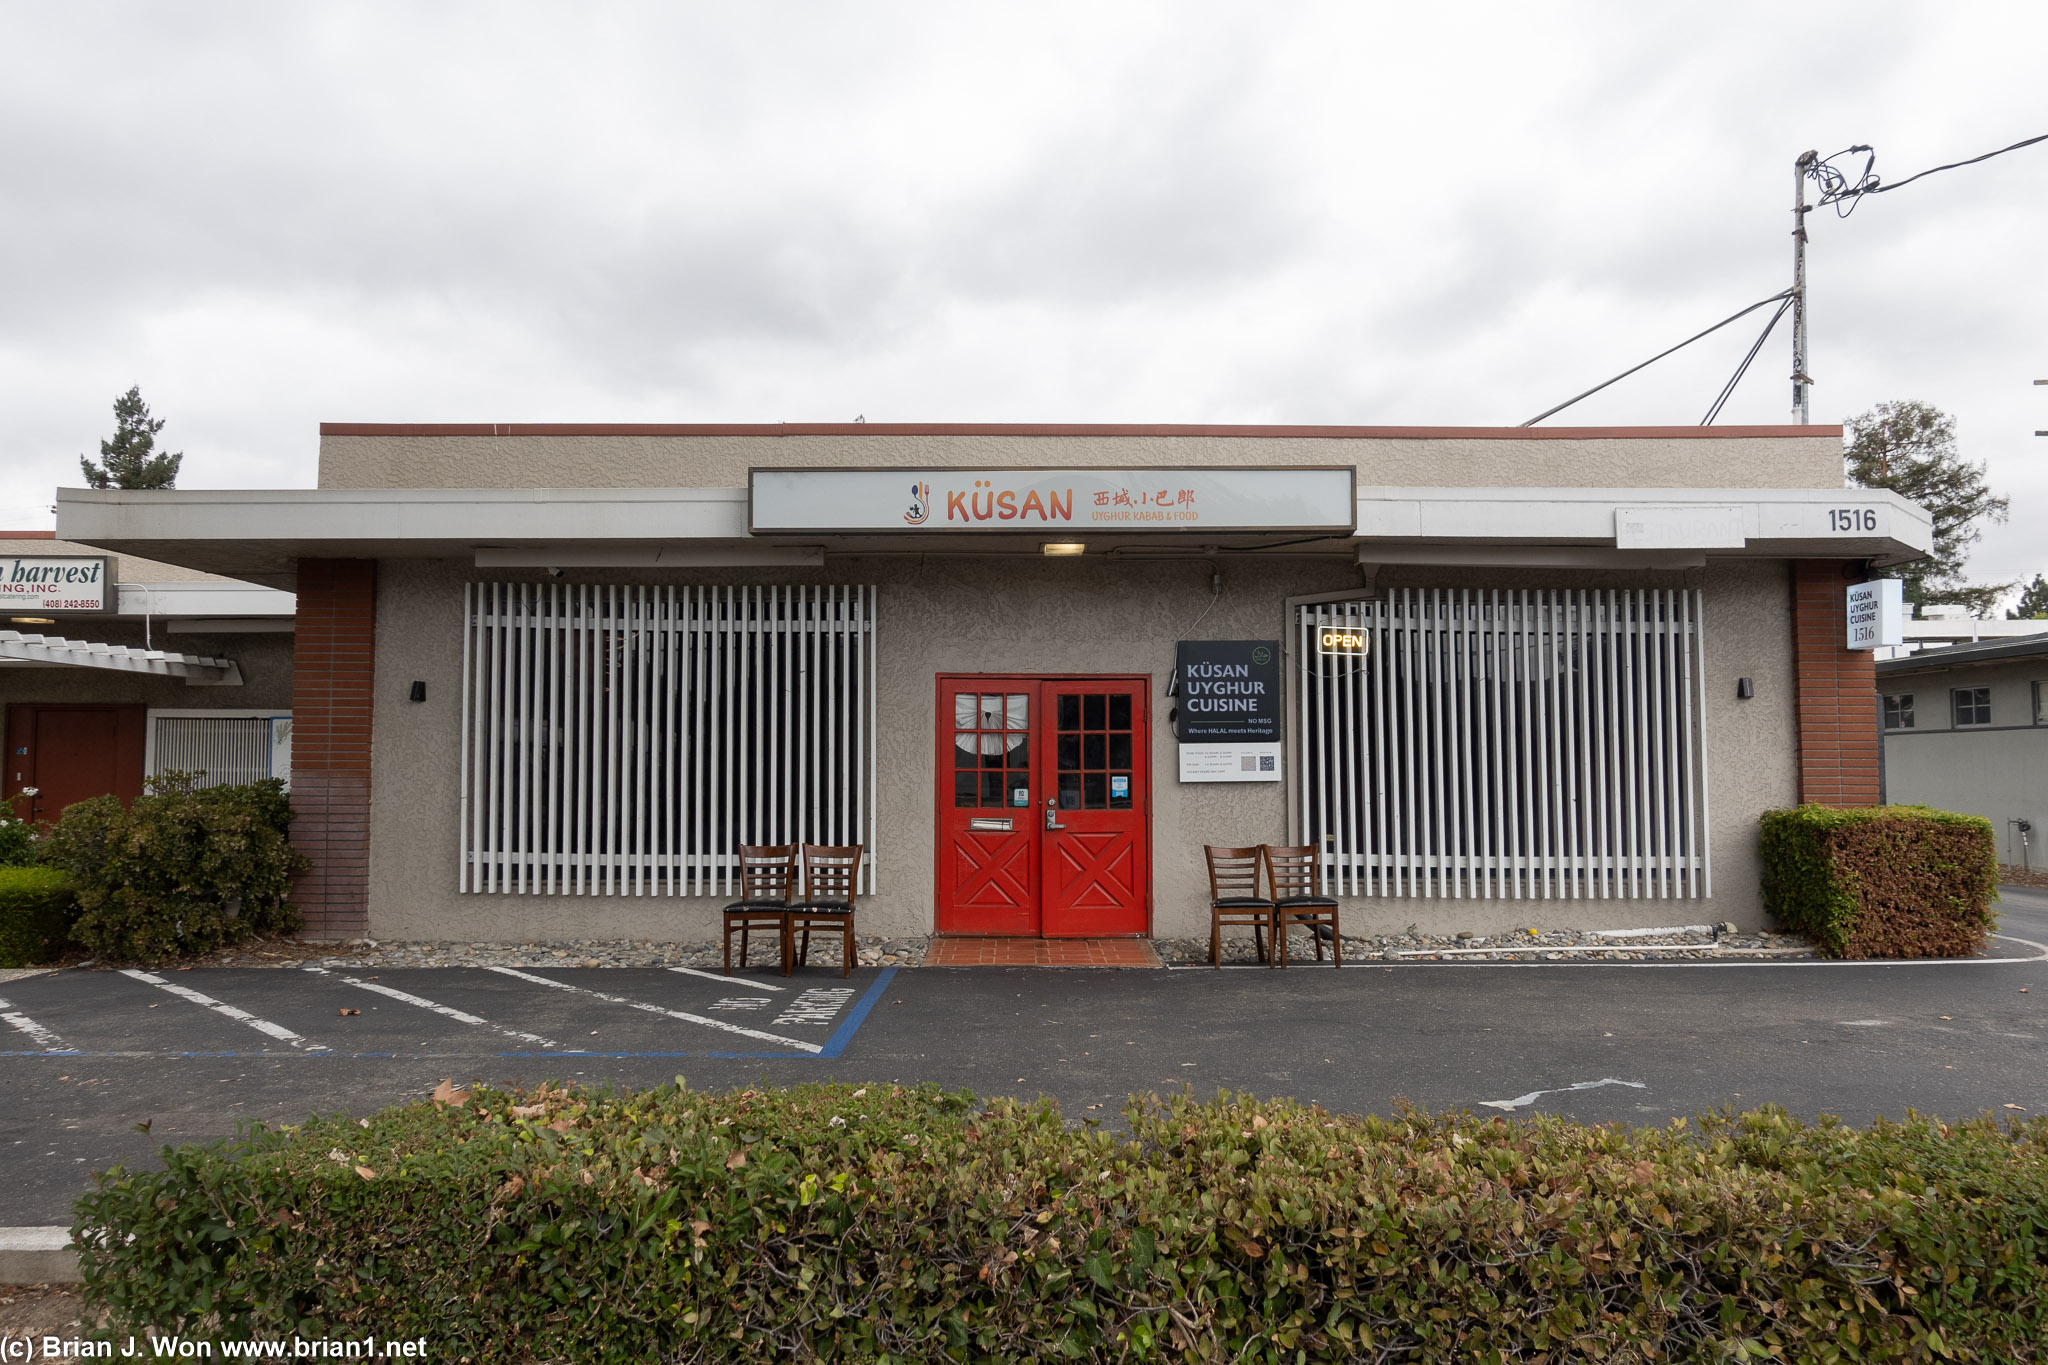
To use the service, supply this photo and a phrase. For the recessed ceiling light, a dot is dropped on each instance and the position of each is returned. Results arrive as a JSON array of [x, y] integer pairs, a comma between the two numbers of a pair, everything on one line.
[[1064, 547], [33, 620]]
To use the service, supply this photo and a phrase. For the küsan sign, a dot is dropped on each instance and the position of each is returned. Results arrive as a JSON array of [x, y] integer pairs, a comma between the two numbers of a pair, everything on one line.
[[54, 583], [1876, 614], [1295, 498]]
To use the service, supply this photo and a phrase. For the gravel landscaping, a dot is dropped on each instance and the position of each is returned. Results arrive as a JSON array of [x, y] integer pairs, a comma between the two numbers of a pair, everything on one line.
[[1556, 945]]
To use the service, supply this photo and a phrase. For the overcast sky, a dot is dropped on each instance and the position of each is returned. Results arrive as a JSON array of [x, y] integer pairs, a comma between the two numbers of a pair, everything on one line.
[[270, 215]]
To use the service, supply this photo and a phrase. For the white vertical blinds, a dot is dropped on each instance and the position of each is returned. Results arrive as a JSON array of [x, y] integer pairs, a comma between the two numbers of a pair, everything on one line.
[[625, 740], [1508, 744], [224, 750]]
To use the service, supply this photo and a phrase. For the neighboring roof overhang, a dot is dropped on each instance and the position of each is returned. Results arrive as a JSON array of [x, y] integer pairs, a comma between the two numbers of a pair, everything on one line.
[[258, 535], [1963, 656], [18, 650], [204, 598]]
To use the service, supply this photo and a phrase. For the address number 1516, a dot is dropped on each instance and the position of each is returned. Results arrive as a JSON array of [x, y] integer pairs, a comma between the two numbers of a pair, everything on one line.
[[1852, 518]]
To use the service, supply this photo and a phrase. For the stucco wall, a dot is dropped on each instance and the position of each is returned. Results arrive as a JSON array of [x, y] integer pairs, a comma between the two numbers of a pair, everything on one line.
[[1999, 772], [1039, 616], [623, 461]]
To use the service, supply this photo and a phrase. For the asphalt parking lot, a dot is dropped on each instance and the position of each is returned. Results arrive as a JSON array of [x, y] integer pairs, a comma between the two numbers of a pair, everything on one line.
[[89, 1055]]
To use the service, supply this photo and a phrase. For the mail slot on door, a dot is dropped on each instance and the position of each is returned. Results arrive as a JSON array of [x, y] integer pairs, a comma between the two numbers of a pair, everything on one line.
[[983, 822]]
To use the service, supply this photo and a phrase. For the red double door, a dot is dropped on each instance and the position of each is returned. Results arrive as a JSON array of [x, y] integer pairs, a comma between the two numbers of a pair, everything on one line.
[[1044, 806]]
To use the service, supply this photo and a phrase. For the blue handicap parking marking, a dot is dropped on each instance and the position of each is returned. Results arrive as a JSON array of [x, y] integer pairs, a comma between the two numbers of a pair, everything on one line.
[[532, 1012]]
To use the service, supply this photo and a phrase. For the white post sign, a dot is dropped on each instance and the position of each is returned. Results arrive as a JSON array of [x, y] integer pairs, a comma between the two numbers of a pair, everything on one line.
[[39, 583], [1877, 614]]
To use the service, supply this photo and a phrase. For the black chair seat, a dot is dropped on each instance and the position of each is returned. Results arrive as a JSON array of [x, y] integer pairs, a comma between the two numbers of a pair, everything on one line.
[[1242, 903], [757, 907], [1304, 902], [822, 908]]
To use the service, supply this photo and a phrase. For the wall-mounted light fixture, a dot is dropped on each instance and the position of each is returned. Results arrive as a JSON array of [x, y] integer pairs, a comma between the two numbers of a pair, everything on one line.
[[418, 693], [1063, 547], [1744, 688], [33, 620]]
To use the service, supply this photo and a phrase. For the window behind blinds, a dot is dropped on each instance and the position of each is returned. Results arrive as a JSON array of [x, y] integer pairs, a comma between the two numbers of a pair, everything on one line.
[[1508, 744], [626, 740]]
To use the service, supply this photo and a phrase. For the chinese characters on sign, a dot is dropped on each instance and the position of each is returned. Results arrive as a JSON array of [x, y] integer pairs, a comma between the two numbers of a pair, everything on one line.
[[824, 500]]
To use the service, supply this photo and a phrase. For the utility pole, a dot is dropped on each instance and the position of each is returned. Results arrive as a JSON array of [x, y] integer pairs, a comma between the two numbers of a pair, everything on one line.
[[1800, 382]]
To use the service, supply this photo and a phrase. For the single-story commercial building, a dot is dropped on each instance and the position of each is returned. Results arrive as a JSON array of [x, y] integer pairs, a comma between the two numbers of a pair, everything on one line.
[[1966, 729], [547, 679], [114, 667]]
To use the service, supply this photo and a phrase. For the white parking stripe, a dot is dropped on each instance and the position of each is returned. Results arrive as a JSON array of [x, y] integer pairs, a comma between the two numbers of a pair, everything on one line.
[[49, 1041], [277, 1031], [745, 982], [797, 1043], [450, 1011]]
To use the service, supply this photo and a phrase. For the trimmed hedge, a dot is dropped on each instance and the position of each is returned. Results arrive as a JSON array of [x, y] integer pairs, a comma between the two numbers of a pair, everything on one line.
[[36, 909], [178, 871], [1882, 881], [829, 1222]]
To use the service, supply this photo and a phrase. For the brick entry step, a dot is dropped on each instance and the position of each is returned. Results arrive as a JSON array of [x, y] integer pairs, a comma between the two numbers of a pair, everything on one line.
[[1041, 952]]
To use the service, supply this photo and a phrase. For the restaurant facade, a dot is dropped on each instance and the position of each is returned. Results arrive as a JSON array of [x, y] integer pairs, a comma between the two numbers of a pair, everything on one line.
[[547, 679]]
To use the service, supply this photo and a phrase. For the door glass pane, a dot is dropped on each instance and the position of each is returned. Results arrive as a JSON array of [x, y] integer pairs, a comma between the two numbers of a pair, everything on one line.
[[1020, 711], [1119, 791], [965, 750], [1120, 713], [1096, 788], [1094, 751], [1070, 753], [991, 711], [1119, 750], [991, 751], [1070, 711], [1020, 751], [963, 789], [1092, 711], [991, 789], [1020, 789], [1070, 791]]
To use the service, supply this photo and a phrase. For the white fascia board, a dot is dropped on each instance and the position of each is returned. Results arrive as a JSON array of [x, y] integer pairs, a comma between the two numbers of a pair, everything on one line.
[[1786, 521], [398, 518], [201, 598]]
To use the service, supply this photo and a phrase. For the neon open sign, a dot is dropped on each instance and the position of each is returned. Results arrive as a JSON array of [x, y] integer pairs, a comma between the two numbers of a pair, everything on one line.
[[1341, 640]]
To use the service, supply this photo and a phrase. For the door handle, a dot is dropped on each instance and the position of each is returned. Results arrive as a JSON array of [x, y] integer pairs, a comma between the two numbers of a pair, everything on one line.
[[1050, 821]]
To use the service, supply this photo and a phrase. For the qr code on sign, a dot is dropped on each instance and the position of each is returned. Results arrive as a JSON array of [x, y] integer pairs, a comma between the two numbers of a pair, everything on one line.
[[1247, 763], [1265, 763]]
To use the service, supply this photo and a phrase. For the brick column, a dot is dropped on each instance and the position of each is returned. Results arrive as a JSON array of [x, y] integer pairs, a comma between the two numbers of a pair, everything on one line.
[[332, 669], [1835, 691]]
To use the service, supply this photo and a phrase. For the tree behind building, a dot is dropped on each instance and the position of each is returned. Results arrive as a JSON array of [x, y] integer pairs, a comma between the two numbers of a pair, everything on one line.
[[129, 459], [1910, 448]]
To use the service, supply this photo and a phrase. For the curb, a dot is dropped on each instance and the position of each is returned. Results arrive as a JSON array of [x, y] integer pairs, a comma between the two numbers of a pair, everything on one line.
[[40, 1255]]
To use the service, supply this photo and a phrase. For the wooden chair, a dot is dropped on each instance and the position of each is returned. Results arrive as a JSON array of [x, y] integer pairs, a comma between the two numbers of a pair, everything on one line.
[[767, 885], [1234, 898], [1295, 875], [831, 879]]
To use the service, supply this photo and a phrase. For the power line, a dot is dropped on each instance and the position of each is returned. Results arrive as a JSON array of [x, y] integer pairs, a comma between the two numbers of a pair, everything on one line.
[[1728, 389], [1837, 189], [1551, 412]]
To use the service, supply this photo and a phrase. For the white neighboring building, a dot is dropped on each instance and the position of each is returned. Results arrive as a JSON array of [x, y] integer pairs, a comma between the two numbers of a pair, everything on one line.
[[1966, 729]]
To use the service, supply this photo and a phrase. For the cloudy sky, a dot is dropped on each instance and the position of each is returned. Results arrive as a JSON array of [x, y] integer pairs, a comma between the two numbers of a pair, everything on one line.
[[272, 215]]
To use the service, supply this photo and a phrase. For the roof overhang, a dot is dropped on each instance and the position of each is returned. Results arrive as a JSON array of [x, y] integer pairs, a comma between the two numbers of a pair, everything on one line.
[[258, 535], [52, 651]]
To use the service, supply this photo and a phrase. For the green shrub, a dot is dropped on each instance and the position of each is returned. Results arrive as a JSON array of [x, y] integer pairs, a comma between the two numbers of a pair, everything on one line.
[[36, 910], [1882, 881], [828, 1222], [17, 839], [180, 870]]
